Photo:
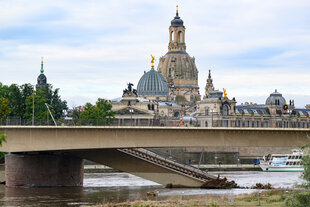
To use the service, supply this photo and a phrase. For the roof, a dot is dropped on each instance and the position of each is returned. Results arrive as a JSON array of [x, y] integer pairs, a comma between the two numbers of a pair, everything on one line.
[[251, 110], [177, 21], [152, 83], [275, 98]]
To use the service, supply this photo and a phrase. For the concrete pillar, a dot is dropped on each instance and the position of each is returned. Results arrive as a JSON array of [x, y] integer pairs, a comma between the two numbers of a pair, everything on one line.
[[43, 170]]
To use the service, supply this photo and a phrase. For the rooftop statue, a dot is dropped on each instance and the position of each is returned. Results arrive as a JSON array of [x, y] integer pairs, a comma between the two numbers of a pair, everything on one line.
[[153, 60], [225, 93], [129, 90]]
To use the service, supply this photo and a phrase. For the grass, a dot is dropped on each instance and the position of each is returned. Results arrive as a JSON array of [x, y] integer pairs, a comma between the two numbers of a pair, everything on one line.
[[272, 198]]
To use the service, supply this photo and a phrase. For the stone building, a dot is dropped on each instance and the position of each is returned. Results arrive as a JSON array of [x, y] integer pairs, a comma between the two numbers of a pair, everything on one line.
[[171, 94], [149, 105], [153, 86], [216, 110], [178, 68], [41, 80]]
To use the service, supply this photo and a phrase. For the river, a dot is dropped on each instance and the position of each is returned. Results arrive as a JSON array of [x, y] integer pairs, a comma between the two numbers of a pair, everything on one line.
[[115, 187]]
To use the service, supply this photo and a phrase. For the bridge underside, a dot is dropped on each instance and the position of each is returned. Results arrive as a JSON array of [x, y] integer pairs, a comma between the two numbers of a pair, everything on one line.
[[46, 169], [141, 168]]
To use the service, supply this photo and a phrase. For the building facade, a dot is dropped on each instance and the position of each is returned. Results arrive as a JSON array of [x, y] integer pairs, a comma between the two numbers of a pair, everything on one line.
[[178, 68], [170, 96], [216, 110]]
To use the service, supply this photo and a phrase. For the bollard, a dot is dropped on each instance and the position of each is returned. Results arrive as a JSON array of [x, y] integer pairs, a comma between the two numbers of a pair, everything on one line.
[[181, 197], [258, 198], [207, 200], [231, 200]]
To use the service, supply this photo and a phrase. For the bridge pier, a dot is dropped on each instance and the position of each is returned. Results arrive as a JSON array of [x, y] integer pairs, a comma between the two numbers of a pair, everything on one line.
[[43, 170]]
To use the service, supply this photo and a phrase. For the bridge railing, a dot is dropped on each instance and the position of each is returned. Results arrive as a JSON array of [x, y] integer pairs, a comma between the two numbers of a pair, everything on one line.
[[97, 122], [169, 160]]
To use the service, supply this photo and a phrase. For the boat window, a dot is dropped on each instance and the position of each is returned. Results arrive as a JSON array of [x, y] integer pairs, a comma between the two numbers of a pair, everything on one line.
[[291, 163], [289, 157], [287, 163], [294, 163], [299, 157]]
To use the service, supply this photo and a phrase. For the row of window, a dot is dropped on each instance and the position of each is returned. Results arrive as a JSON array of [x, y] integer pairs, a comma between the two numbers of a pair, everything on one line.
[[257, 124], [293, 163], [294, 157]]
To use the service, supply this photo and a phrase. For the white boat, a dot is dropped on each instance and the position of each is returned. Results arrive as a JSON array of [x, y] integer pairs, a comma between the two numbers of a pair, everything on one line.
[[283, 162]]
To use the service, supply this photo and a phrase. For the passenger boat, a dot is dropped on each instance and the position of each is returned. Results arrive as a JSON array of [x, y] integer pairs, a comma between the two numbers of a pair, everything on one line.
[[283, 162]]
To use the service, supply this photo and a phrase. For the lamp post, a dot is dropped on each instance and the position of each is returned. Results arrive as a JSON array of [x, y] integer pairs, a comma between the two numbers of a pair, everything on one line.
[[33, 106], [211, 117]]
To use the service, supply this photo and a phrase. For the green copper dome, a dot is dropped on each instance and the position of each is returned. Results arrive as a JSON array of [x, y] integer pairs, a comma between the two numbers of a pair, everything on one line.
[[152, 83]]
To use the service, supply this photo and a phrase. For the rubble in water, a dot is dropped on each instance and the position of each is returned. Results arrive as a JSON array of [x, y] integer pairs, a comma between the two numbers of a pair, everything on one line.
[[262, 186], [219, 183]]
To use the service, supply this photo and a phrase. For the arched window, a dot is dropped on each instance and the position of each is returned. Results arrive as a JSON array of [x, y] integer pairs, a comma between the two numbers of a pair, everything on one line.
[[176, 114], [206, 124], [180, 36], [171, 36], [225, 110], [191, 98]]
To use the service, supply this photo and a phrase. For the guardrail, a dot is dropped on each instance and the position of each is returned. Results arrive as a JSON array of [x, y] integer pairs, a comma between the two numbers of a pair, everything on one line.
[[167, 162]]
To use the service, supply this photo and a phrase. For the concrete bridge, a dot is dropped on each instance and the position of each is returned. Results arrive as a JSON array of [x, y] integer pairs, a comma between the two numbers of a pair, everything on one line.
[[52, 156]]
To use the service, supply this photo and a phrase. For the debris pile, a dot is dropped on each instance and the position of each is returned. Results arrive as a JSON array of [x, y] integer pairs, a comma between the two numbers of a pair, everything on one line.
[[262, 186], [219, 183]]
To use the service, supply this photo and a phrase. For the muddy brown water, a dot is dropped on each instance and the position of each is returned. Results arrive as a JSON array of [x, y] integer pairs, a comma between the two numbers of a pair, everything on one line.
[[117, 187]]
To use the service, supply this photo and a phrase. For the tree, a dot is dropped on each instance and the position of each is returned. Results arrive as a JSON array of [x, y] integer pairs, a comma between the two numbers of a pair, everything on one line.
[[2, 139], [54, 100], [306, 163], [26, 91], [40, 111], [99, 114], [20, 100], [302, 199], [4, 108]]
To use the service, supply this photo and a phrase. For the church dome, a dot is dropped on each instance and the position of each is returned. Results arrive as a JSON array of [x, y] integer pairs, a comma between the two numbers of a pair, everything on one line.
[[177, 21], [152, 83], [179, 67], [275, 98]]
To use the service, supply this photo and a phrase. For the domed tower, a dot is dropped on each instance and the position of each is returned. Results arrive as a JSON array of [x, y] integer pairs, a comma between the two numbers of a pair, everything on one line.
[[177, 67], [276, 103], [152, 85], [41, 80], [209, 85], [276, 99]]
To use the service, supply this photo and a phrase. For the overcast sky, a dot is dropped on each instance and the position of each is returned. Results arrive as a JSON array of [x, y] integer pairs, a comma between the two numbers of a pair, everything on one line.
[[93, 48]]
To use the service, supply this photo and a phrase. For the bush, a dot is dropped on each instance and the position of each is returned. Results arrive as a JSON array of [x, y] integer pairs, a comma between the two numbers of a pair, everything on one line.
[[298, 199]]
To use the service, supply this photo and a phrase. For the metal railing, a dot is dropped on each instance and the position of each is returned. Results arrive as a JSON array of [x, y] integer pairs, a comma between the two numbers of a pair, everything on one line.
[[168, 163], [162, 123]]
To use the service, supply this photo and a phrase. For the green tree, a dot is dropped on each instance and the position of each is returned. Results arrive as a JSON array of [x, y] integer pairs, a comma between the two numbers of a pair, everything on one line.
[[40, 110], [2, 139], [302, 199], [54, 100], [306, 163], [16, 101], [99, 114], [4, 108], [19, 100], [26, 91]]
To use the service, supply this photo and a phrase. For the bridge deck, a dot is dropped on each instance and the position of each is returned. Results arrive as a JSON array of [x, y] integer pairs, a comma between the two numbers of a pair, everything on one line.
[[50, 138]]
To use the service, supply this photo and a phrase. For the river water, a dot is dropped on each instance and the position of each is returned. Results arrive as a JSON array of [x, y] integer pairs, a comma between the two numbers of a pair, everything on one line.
[[117, 187]]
